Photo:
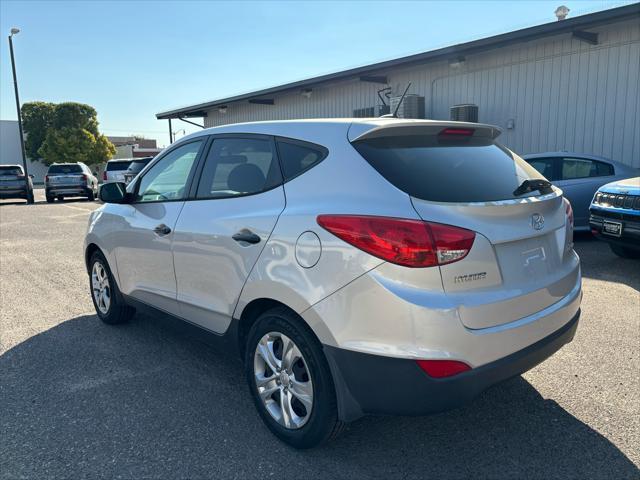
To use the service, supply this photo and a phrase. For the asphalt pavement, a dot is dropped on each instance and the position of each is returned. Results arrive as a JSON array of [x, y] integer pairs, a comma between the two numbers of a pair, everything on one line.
[[80, 399]]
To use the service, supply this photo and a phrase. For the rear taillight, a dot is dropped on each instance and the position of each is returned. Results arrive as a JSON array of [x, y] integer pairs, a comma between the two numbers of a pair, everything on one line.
[[411, 243], [442, 368], [104, 175], [84, 177], [569, 212], [46, 178]]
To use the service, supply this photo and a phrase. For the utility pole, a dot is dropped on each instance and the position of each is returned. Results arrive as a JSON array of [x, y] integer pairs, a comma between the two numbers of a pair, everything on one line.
[[15, 86]]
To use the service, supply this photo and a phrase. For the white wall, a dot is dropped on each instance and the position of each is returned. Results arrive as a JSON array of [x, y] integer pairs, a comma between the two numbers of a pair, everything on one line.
[[560, 92], [10, 150]]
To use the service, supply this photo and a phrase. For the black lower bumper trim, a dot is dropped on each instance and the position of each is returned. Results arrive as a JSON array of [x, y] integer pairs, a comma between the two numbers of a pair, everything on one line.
[[373, 384]]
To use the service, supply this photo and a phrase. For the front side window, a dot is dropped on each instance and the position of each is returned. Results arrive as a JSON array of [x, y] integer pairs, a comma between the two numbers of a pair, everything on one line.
[[167, 180], [583, 168], [239, 166]]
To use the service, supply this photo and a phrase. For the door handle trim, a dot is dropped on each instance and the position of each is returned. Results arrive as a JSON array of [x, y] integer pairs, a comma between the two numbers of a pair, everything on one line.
[[162, 230], [246, 236]]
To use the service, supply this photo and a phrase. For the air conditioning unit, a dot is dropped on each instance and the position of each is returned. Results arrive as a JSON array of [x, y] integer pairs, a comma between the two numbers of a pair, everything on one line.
[[411, 107], [467, 112], [371, 112]]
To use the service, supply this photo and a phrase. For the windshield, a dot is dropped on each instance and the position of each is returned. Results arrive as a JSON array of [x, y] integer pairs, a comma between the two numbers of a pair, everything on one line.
[[448, 170], [10, 170], [70, 168]]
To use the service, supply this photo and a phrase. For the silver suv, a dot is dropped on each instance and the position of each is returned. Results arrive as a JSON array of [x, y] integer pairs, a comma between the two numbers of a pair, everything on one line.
[[359, 266]]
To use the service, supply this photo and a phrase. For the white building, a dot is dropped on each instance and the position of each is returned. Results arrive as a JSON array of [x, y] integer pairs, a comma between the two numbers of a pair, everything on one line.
[[567, 85], [10, 150]]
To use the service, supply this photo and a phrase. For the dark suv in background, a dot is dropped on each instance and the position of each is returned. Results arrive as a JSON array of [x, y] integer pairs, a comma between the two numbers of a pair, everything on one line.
[[15, 184], [135, 167], [70, 180]]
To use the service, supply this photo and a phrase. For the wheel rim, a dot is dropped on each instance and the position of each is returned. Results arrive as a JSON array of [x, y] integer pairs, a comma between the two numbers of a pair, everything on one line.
[[283, 380], [100, 287]]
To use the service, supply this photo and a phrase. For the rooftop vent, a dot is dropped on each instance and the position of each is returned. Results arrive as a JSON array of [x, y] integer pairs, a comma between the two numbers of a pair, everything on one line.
[[561, 12]]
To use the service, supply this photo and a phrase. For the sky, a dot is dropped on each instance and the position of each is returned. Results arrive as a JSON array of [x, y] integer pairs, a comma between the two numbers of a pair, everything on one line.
[[131, 60]]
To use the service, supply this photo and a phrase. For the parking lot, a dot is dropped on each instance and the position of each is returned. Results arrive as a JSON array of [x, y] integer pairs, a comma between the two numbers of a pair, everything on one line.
[[82, 399]]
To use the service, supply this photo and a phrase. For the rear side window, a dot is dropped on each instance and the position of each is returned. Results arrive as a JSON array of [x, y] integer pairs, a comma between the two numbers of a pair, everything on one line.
[[296, 157], [117, 166], [72, 168], [10, 170], [584, 168], [442, 170], [239, 166], [137, 165]]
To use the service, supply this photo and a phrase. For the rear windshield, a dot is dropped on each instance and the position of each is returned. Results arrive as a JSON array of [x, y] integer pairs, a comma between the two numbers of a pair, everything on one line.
[[137, 165], [65, 169], [443, 170], [117, 166], [10, 170]]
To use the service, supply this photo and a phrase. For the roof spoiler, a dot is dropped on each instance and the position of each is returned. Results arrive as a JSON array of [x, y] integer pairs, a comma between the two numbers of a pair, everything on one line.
[[362, 131]]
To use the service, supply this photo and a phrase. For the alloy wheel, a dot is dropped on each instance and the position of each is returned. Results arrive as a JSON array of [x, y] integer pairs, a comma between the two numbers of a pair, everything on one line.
[[100, 287], [283, 380]]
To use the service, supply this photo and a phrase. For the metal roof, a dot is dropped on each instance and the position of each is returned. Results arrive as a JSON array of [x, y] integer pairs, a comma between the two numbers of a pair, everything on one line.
[[564, 26]]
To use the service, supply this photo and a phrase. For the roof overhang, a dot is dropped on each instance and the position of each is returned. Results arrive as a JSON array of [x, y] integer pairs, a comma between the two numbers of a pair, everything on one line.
[[375, 71]]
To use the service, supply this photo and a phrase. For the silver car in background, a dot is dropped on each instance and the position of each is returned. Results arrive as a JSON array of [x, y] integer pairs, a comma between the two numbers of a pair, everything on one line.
[[70, 180], [359, 266], [579, 176], [115, 169]]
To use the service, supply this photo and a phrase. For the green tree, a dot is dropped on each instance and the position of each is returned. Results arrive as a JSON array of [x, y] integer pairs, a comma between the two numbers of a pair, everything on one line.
[[73, 136], [36, 120]]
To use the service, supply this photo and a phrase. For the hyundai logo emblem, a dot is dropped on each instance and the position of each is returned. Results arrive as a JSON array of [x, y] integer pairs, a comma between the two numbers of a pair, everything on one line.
[[537, 221]]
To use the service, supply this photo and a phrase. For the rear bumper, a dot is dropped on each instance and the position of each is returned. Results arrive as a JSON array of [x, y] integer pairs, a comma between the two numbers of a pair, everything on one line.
[[374, 384], [14, 192], [69, 190]]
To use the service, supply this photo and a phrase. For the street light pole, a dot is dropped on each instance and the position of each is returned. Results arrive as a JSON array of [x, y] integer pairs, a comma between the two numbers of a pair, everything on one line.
[[15, 86]]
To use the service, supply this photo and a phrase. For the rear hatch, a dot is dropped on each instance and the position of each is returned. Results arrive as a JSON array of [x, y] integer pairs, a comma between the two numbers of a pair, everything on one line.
[[115, 170], [11, 177], [521, 260], [66, 175]]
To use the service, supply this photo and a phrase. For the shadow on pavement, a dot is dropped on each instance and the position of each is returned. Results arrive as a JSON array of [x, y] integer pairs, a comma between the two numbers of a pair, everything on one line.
[[87, 399], [600, 263]]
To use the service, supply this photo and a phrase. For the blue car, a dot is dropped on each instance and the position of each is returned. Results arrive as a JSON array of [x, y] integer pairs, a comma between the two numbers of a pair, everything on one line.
[[615, 216]]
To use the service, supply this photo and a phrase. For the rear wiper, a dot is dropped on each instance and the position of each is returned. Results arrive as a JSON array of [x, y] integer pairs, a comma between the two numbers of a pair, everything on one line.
[[539, 184]]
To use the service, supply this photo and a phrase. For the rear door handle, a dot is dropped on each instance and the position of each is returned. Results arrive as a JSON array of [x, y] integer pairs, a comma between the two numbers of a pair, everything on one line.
[[162, 229], [247, 236]]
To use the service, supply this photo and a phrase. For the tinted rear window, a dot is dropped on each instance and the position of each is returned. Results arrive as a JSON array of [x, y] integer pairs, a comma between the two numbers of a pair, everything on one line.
[[117, 166], [441, 170], [137, 166], [65, 169], [10, 170]]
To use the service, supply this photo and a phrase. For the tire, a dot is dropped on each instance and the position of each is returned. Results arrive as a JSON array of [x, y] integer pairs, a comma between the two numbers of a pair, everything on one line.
[[60, 198], [91, 197], [624, 252], [30, 198], [111, 309], [308, 368]]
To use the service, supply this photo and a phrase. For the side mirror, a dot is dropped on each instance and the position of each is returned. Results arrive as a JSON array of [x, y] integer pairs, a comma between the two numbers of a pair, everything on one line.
[[95, 174], [115, 192], [31, 176]]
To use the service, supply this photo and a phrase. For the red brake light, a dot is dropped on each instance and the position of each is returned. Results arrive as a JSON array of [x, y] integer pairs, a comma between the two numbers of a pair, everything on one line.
[[465, 132], [46, 178], [569, 212], [442, 368], [84, 177], [104, 175], [411, 243]]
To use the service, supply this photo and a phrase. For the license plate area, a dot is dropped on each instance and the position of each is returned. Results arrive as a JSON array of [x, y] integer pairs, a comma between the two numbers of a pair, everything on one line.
[[612, 228]]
